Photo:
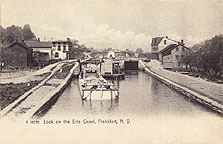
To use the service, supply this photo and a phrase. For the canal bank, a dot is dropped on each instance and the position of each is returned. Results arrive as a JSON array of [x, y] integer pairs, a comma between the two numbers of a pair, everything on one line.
[[140, 96], [205, 93], [36, 99], [153, 108]]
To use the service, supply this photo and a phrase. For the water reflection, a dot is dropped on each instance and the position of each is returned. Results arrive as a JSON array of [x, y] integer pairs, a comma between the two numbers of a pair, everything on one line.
[[140, 95], [100, 106], [154, 85]]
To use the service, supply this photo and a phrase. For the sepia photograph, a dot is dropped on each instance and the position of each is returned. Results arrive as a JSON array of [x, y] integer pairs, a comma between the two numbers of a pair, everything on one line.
[[111, 71]]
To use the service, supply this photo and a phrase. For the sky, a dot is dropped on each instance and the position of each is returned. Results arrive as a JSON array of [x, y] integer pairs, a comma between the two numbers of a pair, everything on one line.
[[120, 24]]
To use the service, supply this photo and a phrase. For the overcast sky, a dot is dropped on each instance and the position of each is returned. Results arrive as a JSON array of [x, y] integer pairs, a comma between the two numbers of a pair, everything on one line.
[[119, 24]]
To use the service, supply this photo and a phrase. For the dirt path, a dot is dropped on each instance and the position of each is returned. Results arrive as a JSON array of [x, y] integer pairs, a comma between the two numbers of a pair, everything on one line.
[[26, 76], [209, 89]]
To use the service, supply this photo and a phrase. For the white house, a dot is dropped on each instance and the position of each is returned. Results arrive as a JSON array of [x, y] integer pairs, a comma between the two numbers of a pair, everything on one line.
[[60, 49], [159, 43], [114, 53]]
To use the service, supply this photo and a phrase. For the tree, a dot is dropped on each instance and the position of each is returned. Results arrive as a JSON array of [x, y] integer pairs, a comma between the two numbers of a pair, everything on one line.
[[139, 50], [207, 57], [214, 53], [27, 34], [187, 59], [13, 33]]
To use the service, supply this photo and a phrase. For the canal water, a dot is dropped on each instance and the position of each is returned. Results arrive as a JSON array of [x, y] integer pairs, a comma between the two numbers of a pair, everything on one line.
[[140, 95]]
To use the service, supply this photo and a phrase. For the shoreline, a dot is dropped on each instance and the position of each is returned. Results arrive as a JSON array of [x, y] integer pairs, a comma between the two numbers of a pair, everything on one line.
[[51, 82], [194, 95]]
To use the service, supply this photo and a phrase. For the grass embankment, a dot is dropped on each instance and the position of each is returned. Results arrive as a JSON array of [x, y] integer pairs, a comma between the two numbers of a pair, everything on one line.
[[11, 92], [63, 72]]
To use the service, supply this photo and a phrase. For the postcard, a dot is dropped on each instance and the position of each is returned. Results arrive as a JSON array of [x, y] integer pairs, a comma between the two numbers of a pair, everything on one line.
[[111, 71]]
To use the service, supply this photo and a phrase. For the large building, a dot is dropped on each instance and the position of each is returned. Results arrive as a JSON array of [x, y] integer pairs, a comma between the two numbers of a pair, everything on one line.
[[60, 49], [42, 51], [172, 55], [159, 43], [17, 55]]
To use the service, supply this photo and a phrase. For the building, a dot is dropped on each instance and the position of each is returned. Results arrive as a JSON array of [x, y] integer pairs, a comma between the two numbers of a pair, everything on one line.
[[102, 54], [42, 51], [17, 55], [60, 49], [114, 53], [159, 43], [171, 56]]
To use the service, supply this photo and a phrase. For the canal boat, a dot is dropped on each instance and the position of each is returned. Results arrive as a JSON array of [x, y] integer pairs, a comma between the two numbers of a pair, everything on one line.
[[111, 69], [97, 88]]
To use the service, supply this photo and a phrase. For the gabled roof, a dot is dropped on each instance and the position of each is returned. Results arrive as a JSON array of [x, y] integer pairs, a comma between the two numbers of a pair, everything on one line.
[[171, 47], [22, 44], [156, 41], [38, 44], [168, 48]]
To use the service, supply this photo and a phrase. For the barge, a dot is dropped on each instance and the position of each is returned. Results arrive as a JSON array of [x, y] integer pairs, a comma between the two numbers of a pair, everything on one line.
[[97, 88]]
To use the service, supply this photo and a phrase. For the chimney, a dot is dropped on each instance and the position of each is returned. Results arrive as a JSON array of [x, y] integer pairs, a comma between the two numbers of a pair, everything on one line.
[[38, 39], [167, 37], [182, 41]]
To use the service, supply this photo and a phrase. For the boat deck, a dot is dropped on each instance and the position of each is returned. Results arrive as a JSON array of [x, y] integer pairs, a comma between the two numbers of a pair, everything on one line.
[[97, 88]]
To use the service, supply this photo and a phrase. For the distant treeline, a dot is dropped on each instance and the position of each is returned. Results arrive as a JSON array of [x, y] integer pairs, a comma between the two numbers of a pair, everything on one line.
[[13, 33], [206, 57]]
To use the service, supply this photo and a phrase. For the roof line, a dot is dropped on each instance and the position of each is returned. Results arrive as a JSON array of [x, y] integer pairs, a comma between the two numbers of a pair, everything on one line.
[[21, 44]]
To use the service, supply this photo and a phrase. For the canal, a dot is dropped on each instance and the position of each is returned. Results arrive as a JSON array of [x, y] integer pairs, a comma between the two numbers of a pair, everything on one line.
[[140, 95]]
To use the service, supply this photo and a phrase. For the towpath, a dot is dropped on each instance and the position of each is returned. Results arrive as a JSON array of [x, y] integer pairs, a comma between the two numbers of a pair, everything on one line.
[[26, 76], [211, 90], [34, 99]]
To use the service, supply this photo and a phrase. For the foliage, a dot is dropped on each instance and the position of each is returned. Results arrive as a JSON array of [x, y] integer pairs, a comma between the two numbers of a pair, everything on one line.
[[77, 50], [207, 57], [13, 33], [139, 50]]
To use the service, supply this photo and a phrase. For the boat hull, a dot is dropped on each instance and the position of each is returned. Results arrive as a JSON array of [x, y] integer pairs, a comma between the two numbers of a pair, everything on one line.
[[99, 95]]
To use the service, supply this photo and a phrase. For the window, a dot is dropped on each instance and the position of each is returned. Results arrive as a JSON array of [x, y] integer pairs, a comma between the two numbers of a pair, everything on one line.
[[183, 49], [54, 45], [165, 42], [177, 57], [178, 63], [59, 49], [177, 49], [64, 48], [155, 48], [56, 54]]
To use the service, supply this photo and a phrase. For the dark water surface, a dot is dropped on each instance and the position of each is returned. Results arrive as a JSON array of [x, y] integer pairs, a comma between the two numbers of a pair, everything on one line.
[[140, 95]]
